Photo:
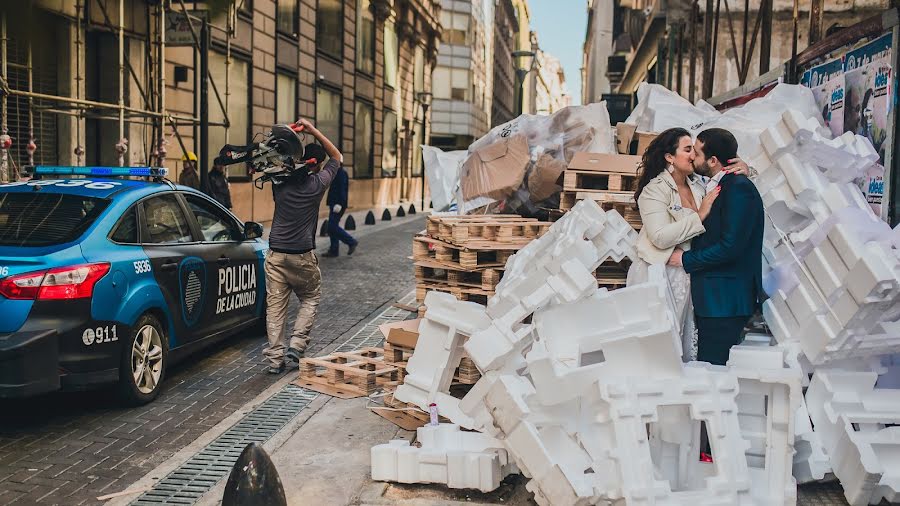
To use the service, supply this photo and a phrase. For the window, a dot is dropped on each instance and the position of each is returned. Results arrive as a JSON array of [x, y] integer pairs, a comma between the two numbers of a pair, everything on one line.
[[440, 82], [363, 140], [215, 225], [391, 54], [127, 230], [418, 140], [285, 98], [419, 71], [42, 219], [286, 17], [328, 114], [330, 27], [389, 140], [239, 104], [455, 37], [165, 221], [365, 37], [245, 7]]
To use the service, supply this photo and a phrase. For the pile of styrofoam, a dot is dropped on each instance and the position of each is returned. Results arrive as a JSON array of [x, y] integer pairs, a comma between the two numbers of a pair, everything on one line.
[[583, 390]]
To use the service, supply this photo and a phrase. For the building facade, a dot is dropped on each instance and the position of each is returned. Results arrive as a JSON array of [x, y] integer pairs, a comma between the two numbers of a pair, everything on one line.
[[661, 41], [504, 106], [551, 93], [360, 68], [462, 98]]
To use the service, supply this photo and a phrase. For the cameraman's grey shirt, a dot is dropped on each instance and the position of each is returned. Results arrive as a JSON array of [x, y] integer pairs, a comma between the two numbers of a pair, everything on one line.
[[297, 209]]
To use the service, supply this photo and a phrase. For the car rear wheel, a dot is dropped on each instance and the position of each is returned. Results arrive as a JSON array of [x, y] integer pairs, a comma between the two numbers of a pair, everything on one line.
[[144, 359]]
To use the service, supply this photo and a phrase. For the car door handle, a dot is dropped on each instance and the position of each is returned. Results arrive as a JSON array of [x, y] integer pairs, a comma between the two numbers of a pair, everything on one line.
[[169, 266], [224, 260]]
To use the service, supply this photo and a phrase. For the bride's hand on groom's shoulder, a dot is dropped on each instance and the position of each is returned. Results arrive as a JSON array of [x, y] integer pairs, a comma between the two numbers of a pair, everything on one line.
[[738, 166]]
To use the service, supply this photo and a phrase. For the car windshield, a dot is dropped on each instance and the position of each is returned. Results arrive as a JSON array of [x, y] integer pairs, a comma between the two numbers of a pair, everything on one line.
[[43, 219]]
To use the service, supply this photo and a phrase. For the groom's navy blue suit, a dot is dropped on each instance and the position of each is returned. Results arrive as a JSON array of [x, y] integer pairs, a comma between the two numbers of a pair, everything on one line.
[[725, 264]]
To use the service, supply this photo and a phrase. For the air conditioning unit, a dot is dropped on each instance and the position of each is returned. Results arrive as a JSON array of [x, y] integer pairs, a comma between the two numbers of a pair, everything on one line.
[[615, 66]]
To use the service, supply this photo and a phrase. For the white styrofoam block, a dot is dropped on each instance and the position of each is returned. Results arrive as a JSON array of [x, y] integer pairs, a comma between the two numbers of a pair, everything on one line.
[[811, 463], [780, 320], [464, 460], [497, 344], [826, 267], [857, 424], [710, 394], [438, 353], [769, 397]]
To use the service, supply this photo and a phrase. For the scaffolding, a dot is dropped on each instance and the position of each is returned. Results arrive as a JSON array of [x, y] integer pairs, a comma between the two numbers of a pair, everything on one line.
[[152, 111]]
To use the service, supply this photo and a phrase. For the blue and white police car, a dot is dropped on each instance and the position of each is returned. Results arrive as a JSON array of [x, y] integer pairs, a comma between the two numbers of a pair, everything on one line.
[[107, 280]]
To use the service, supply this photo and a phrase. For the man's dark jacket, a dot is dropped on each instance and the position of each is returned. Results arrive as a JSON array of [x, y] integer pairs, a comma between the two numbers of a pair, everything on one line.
[[337, 194], [218, 188], [725, 262]]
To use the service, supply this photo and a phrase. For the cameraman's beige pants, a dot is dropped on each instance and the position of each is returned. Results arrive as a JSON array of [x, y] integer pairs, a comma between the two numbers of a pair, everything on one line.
[[286, 274]]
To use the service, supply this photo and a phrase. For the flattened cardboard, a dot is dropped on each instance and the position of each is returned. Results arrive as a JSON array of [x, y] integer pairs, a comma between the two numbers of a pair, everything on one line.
[[643, 141], [495, 170], [602, 162], [404, 333], [624, 134]]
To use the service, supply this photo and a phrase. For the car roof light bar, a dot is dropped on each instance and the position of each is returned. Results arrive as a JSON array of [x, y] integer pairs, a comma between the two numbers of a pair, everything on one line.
[[62, 170]]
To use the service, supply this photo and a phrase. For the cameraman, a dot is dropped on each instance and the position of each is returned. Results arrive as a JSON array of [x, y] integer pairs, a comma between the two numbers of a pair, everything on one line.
[[291, 263]]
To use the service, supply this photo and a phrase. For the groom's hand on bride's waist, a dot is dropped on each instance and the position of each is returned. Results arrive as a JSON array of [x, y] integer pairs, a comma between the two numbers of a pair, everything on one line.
[[675, 259]]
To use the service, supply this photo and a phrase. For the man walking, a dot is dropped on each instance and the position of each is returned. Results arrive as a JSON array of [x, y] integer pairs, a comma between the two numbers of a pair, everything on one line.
[[219, 189], [337, 204], [725, 262], [291, 264]]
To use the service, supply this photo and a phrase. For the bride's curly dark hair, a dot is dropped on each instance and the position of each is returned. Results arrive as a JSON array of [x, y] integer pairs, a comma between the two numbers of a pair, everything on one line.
[[654, 160]]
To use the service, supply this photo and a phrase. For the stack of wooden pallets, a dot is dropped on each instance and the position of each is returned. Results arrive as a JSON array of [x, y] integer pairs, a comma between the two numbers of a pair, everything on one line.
[[348, 374], [397, 356], [609, 180], [465, 255]]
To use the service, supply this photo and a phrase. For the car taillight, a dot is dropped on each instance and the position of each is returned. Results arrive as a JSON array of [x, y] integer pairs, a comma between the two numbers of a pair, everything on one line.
[[74, 282]]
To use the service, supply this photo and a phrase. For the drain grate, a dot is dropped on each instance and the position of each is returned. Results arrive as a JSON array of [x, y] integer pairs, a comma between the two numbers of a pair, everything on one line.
[[187, 483]]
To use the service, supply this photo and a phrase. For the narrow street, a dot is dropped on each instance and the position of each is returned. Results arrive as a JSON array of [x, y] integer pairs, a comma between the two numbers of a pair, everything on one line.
[[70, 448]]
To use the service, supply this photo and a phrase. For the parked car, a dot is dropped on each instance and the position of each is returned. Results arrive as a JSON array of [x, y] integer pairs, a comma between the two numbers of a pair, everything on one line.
[[106, 280]]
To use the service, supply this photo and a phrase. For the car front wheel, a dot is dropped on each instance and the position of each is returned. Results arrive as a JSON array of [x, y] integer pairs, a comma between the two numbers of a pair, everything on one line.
[[144, 358]]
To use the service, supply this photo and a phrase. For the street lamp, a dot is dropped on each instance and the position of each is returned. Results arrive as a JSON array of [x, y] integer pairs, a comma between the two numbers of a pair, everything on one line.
[[424, 98], [524, 61]]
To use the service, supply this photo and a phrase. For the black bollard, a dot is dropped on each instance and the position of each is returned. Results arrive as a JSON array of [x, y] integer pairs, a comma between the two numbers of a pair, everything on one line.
[[324, 230], [412, 209], [349, 223], [386, 215], [254, 480], [370, 218], [431, 204], [400, 212]]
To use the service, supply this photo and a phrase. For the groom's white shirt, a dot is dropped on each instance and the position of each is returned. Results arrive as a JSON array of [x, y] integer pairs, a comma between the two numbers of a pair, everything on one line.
[[712, 182]]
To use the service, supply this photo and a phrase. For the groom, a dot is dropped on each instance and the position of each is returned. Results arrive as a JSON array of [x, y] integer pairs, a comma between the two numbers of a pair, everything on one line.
[[725, 262]]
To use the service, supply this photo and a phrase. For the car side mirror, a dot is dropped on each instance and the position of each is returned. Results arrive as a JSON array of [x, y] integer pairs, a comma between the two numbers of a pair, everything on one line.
[[252, 230]]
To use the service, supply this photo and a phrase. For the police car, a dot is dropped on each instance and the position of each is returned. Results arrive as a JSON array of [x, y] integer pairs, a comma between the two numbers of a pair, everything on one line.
[[108, 280]]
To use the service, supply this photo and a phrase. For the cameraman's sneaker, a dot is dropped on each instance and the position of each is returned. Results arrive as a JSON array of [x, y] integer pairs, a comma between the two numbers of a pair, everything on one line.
[[294, 355], [276, 369]]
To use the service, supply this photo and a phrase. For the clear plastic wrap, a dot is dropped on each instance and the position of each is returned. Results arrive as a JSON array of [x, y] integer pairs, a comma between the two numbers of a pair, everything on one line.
[[516, 167], [442, 173]]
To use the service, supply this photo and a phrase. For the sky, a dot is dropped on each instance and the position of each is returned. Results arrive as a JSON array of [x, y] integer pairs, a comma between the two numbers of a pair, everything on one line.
[[560, 27]]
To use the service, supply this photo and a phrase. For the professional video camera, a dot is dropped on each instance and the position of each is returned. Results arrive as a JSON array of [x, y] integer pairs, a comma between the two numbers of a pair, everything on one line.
[[278, 157]]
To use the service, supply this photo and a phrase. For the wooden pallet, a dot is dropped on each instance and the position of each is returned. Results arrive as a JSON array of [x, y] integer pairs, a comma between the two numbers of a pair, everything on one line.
[[348, 374], [458, 257], [568, 199], [486, 232], [612, 275], [433, 224], [576, 180], [398, 356], [486, 279], [460, 292]]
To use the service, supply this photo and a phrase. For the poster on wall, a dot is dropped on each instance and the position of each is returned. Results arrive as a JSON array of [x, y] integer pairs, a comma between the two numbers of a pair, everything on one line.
[[827, 84]]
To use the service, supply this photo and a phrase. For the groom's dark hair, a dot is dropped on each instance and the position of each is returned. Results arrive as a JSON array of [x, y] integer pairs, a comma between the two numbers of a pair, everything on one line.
[[719, 143]]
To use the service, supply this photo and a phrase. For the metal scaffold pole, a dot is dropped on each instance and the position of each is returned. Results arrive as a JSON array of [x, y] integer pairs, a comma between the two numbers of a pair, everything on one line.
[[5, 140], [122, 145]]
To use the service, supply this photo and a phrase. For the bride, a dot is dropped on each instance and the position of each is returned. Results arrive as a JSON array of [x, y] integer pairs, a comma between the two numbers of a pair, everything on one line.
[[673, 204]]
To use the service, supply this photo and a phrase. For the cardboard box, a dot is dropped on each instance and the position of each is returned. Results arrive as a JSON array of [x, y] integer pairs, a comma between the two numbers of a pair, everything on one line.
[[624, 134], [602, 162], [631, 142], [643, 141], [496, 170], [405, 333]]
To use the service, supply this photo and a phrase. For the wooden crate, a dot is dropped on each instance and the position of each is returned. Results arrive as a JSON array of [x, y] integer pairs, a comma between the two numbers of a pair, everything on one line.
[[458, 257], [577, 180], [486, 232], [460, 292], [486, 279], [348, 374]]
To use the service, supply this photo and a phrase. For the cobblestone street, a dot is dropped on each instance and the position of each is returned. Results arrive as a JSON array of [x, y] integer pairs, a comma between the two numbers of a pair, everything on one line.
[[69, 448]]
